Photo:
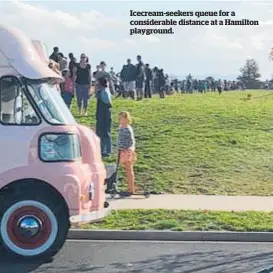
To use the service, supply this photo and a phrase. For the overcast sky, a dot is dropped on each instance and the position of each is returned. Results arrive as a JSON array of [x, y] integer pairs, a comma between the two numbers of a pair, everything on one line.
[[101, 30]]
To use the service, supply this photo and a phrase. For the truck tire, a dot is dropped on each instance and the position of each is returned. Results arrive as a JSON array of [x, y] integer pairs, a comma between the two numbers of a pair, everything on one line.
[[34, 224]]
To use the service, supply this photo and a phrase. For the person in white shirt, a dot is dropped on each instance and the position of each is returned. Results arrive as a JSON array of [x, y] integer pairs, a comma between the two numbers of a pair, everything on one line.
[[63, 62]]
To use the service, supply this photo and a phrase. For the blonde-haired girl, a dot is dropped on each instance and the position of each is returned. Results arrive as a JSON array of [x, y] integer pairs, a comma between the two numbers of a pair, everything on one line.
[[126, 147], [54, 66]]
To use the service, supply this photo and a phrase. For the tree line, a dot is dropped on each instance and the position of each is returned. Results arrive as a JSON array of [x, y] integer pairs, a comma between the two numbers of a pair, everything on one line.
[[250, 76]]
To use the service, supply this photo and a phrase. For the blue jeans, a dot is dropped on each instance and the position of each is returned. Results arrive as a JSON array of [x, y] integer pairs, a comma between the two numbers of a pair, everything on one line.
[[103, 131], [67, 97], [106, 144], [82, 93]]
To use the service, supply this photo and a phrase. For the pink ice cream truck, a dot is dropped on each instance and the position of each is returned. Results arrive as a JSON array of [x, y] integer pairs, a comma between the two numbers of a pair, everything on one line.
[[51, 171]]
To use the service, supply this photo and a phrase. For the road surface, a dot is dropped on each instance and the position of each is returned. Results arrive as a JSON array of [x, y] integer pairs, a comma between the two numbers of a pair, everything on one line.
[[151, 257]]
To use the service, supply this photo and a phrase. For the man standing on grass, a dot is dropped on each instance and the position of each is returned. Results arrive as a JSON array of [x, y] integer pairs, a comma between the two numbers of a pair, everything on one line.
[[128, 76], [148, 80], [95, 72], [140, 78], [114, 78], [102, 73], [162, 83], [72, 63], [219, 86], [54, 56]]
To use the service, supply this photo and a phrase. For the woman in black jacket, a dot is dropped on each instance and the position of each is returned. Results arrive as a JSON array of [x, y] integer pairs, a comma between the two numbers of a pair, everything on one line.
[[162, 83], [148, 80]]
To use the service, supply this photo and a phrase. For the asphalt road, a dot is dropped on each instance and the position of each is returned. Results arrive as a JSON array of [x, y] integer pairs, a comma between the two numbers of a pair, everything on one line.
[[150, 257]]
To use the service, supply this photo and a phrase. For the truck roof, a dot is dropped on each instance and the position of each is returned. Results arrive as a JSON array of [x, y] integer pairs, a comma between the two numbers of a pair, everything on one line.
[[19, 56]]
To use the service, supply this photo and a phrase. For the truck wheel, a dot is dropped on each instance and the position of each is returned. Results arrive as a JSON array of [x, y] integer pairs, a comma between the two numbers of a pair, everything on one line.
[[33, 225]]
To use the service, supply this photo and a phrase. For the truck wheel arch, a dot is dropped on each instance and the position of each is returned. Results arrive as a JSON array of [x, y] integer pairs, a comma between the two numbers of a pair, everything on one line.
[[27, 184]]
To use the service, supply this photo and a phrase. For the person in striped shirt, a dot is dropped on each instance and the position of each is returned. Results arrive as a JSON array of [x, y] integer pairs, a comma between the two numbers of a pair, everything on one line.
[[126, 147]]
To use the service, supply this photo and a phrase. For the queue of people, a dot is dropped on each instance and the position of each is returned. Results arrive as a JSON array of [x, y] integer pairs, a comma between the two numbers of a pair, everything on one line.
[[142, 79], [134, 81]]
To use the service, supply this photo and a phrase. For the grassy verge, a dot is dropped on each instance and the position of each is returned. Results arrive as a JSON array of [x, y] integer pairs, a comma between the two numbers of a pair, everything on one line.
[[180, 220], [201, 144]]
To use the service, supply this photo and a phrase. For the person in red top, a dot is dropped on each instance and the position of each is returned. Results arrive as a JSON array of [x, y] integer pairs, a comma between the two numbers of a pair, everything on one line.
[[68, 92]]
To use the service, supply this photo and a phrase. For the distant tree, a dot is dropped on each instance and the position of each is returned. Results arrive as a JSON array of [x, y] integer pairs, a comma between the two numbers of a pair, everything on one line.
[[210, 79], [250, 74]]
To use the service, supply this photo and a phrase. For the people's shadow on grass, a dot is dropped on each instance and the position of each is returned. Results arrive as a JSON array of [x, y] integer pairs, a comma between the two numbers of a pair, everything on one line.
[[9, 264]]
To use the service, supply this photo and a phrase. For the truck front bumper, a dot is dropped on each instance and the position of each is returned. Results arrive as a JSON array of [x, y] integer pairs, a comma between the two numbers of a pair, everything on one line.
[[91, 216]]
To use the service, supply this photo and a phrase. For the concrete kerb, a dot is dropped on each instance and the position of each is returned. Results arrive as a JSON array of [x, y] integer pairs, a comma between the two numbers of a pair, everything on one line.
[[80, 234]]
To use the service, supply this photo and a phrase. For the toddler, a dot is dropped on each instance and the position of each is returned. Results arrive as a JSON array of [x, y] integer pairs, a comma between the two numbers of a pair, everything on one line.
[[126, 147], [68, 91]]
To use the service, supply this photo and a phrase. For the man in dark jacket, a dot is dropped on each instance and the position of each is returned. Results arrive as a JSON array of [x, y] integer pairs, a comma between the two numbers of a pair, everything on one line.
[[72, 63], [162, 83], [140, 78], [148, 80], [97, 71], [128, 76], [54, 55]]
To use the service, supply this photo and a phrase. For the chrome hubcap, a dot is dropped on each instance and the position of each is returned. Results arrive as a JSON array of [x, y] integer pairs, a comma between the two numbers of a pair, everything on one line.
[[29, 226]]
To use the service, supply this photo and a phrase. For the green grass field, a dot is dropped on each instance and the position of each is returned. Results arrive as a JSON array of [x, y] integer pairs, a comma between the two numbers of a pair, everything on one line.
[[201, 144], [181, 220]]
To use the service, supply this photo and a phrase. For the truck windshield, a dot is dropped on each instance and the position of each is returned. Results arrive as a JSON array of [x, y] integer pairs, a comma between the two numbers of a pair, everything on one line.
[[50, 103]]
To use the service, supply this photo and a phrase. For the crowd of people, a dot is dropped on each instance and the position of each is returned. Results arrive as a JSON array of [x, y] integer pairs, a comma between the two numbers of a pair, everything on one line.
[[78, 80], [133, 81], [191, 85]]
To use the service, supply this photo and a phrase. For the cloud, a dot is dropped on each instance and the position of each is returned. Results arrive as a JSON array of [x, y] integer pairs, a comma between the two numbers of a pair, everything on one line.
[[130, 41], [150, 38], [57, 26], [222, 42], [266, 23], [27, 13], [257, 42], [142, 40], [92, 19], [97, 44]]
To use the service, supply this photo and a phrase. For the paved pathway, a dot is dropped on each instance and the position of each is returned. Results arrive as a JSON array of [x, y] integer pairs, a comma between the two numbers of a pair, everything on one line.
[[195, 202]]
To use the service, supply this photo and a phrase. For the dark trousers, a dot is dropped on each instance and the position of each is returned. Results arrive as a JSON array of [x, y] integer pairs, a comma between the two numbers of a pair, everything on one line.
[[67, 97], [161, 92], [121, 93], [106, 144], [147, 90], [103, 131]]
